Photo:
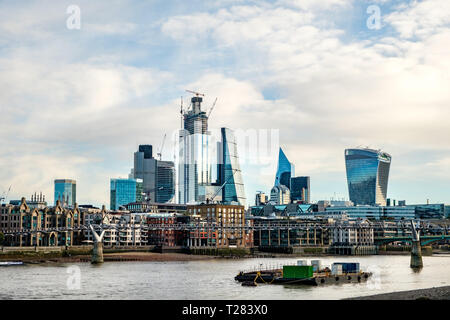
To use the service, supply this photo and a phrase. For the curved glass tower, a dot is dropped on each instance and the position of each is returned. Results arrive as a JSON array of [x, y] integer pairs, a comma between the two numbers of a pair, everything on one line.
[[367, 176], [233, 190], [285, 171]]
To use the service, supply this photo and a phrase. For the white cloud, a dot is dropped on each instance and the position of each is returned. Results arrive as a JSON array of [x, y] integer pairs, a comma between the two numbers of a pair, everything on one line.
[[284, 65], [420, 18]]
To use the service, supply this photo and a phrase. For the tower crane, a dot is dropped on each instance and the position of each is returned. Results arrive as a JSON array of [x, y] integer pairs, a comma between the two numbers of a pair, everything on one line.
[[211, 109], [196, 93], [5, 195], [161, 148], [210, 200]]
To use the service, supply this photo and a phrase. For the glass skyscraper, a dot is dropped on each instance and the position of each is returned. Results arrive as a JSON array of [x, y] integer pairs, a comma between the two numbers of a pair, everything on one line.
[[367, 176], [165, 181], [285, 170], [158, 176], [208, 169], [233, 190], [300, 189], [194, 155], [66, 192], [123, 191]]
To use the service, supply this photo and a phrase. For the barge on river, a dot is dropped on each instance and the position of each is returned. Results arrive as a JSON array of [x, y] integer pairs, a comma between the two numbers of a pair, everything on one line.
[[340, 272]]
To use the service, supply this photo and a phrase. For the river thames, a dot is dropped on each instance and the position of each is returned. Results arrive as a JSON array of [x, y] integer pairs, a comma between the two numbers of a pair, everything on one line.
[[209, 279]]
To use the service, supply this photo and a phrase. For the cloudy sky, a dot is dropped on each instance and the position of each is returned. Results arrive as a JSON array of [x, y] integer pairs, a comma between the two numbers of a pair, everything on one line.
[[76, 103]]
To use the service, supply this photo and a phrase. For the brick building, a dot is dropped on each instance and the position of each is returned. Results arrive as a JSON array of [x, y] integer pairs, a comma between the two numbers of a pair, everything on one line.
[[219, 225]]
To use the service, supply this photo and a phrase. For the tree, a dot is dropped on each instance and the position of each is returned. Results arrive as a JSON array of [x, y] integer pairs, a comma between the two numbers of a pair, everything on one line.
[[2, 238]]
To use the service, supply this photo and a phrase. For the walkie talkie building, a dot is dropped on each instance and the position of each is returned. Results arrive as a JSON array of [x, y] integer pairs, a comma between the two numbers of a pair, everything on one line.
[[367, 176]]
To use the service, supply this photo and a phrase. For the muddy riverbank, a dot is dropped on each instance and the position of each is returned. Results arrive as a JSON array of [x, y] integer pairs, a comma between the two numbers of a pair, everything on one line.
[[435, 293]]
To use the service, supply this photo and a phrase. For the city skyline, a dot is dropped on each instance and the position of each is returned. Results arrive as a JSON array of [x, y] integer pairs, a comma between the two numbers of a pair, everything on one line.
[[78, 103]]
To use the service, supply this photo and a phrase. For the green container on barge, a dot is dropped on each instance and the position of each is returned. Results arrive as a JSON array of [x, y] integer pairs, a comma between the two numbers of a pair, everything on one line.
[[297, 272]]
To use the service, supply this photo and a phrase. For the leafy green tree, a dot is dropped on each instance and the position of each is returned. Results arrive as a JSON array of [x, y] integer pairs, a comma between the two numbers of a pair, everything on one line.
[[2, 238]]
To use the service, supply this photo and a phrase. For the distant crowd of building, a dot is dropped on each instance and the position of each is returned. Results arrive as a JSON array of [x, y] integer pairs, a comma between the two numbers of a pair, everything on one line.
[[199, 201]]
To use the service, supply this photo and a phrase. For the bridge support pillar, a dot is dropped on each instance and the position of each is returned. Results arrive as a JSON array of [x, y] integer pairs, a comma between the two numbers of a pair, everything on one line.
[[416, 255], [97, 253]]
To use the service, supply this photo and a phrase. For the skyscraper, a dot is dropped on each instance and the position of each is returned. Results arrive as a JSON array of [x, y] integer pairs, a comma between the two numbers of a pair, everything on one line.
[[285, 170], [194, 156], [165, 181], [158, 176], [300, 189], [367, 176], [230, 175], [208, 169], [66, 192], [122, 192]]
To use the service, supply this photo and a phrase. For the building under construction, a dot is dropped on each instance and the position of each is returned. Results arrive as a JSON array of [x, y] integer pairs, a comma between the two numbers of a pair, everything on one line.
[[208, 165]]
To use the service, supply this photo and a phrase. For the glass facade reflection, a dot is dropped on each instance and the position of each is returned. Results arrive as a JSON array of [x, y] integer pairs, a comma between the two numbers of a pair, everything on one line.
[[66, 192], [233, 190], [285, 171], [165, 181], [123, 191], [367, 176], [300, 189]]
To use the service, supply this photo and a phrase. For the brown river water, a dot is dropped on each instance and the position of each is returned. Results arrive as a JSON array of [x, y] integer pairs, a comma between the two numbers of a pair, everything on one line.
[[209, 279]]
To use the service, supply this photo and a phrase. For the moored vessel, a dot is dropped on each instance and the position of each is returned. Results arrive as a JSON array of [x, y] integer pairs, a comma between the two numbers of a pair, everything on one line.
[[303, 273]]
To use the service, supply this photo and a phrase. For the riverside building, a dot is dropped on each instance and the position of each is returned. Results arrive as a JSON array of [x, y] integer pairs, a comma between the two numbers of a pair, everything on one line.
[[21, 224], [220, 226]]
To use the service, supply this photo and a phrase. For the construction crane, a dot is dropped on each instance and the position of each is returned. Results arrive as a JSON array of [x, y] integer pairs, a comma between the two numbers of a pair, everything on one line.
[[210, 200], [196, 93], [211, 109], [5, 195], [161, 148]]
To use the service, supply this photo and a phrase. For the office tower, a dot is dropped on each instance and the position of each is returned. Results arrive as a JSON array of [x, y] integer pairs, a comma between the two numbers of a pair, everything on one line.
[[280, 194], [66, 192], [300, 189], [165, 181], [367, 176], [285, 170], [158, 177], [122, 192], [260, 199], [194, 156], [208, 170], [233, 191], [145, 169], [140, 196]]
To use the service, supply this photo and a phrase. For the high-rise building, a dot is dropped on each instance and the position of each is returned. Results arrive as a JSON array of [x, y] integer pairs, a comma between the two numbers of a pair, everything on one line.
[[158, 176], [194, 154], [280, 195], [300, 189], [367, 176], [285, 170], [122, 192], [260, 199], [66, 192], [140, 190], [165, 181], [233, 191], [207, 169]]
